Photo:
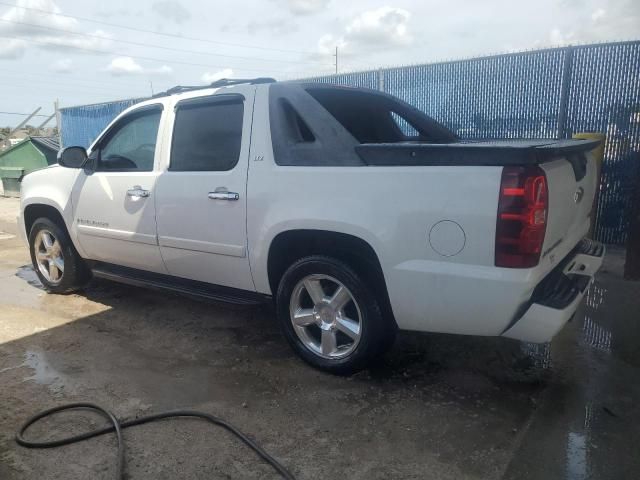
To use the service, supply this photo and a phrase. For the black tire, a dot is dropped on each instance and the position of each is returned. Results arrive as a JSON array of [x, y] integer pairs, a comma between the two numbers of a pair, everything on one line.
[[376, 332], [75, 275]]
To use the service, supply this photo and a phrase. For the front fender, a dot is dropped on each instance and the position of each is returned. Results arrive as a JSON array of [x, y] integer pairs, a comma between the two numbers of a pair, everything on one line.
[[51, 187]]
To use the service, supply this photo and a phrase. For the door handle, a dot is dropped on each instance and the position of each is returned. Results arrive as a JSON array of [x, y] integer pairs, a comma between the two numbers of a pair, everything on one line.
[[223, 196], [138, 191]]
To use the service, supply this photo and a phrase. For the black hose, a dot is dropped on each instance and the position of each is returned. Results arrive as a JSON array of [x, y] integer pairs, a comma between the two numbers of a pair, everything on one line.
[[117, 427]]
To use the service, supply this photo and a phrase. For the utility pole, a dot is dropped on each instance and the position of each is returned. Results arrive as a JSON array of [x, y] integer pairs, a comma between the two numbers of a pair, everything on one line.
[[336, 55], [56, 111], [151, 86]]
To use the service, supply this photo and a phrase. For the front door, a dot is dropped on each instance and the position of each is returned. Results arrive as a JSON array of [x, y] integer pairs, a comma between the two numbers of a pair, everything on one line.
[[114, 212], [201, 197]]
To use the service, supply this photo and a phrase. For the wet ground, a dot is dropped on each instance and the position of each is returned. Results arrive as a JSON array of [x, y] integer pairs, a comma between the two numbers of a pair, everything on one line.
[[438, 406]]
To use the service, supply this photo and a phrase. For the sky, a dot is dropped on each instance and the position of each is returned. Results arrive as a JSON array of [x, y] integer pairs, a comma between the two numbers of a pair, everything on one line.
[[82, 51]]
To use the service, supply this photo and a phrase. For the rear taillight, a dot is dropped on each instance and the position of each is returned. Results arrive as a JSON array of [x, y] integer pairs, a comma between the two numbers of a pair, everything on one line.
[[522, 217]]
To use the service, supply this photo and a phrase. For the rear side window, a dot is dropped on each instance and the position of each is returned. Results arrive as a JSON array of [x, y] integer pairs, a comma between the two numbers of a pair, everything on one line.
[[365, 116], [405, 127], [371, 117], [207, 135], [297, 129]]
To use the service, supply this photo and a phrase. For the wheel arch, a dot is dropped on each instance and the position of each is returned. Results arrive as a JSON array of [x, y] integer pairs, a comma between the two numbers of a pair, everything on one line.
[[33, 211], [291, 245]]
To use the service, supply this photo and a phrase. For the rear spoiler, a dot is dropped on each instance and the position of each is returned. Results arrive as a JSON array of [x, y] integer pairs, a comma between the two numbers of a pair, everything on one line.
[[490, 153]]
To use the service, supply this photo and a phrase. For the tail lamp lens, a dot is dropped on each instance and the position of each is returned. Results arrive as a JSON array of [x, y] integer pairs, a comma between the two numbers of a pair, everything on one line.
[[522, 217]]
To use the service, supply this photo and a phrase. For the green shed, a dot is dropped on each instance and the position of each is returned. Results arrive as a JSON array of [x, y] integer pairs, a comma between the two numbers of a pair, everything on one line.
[[31, 154]]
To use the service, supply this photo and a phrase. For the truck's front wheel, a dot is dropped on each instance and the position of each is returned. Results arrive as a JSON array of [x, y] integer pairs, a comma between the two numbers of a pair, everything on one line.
[[330, 316], [54, 258]]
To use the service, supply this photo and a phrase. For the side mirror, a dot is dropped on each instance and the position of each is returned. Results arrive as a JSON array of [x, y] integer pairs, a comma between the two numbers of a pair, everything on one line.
[[72, 157]]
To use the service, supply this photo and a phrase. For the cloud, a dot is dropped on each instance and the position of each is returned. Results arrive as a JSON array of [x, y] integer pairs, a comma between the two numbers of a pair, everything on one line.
[[558, 37], [163, 70], [305, 7], [75, 43], [328, 42], [16, 14], [111, 12], [12, 49], [50, 32], [210, 77], [598, 14], [123, 66], [619, 21], [275, 26], [382, 27], [63, 65], [171, 10]]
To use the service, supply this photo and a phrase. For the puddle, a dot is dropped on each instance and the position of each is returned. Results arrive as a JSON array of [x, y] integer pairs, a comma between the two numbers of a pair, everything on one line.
[[538, 353], [576, 456], [43, 372], [595, 296], [27, 274], [591, 400], [577, 450], [596, 335]]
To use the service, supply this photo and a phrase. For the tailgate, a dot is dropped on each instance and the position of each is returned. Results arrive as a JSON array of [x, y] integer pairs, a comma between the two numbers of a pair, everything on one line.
[[572, 184]]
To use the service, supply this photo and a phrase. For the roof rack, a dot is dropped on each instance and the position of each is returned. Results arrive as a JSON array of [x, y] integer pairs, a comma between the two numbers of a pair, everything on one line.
[[223, 82]]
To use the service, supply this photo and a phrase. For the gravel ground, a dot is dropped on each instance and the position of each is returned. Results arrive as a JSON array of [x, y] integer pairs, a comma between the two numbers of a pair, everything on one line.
[[438, 406]]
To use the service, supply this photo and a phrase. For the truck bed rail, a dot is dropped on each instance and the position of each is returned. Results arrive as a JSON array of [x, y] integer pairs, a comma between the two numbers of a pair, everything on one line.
[[486, 153]]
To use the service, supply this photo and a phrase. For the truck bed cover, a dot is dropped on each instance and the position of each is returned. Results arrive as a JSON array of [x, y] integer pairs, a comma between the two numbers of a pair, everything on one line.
[[472, 153]]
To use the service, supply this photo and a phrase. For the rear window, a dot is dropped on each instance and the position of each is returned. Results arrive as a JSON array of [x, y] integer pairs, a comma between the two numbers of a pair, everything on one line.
[[374, 118], [206, 136]]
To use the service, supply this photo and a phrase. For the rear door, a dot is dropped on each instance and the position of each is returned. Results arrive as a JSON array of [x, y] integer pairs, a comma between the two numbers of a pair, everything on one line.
[[201, 197]]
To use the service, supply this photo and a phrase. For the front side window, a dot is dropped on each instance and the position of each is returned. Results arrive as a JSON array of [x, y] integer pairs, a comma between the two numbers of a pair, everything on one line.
[[131, 145], [207, 135]]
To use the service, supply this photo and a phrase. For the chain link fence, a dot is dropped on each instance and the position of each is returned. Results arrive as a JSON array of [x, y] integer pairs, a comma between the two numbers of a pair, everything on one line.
[[550, 93]]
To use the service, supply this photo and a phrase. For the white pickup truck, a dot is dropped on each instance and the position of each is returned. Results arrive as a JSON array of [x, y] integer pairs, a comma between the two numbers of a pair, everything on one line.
[[354, 211]]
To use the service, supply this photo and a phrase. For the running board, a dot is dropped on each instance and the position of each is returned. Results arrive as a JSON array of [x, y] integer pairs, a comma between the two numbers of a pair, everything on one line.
[[183, 286]]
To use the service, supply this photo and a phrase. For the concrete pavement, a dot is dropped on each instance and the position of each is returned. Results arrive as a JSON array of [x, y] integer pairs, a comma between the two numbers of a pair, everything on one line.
[[438, 406]]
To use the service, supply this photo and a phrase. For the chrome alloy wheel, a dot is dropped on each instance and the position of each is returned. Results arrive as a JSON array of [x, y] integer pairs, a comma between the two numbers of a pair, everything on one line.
[[48, 253], [325, 316]]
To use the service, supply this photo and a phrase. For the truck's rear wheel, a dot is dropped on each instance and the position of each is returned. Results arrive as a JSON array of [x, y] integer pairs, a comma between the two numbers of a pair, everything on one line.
[[330, 316], [55, 260]]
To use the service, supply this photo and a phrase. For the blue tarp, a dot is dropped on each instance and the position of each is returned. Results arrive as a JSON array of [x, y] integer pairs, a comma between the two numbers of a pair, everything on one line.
[[82, 124]]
